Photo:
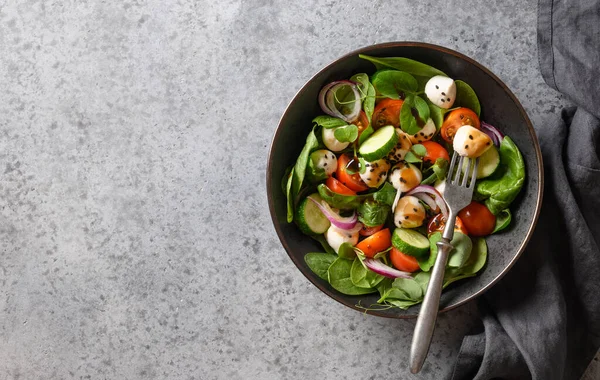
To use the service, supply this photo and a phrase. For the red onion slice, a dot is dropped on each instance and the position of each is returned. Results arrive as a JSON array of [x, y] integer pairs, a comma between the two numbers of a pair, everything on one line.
[[428, 200], [344, 223], [493, 132], [439, 200], [382, 269], [327, 100]]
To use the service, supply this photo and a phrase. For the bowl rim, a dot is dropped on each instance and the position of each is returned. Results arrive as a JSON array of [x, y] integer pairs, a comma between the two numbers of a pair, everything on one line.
[[386, 45]]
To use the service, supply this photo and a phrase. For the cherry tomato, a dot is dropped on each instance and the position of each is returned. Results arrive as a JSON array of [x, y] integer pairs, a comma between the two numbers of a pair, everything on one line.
[[478, 219], [438, 223], [338, 187], [362, 122], [379, 241], [403, 262], [368, 231], [456, 119], [387, 112], [351, 181], [434, 151]]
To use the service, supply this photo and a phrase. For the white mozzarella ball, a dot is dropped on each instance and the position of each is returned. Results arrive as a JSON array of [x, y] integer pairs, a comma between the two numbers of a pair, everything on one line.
[[471, 142], [405, 176], [409, 212], [425, 134], [324, 159], [441, 91], [331, 142], [375, 173], [336, 237]]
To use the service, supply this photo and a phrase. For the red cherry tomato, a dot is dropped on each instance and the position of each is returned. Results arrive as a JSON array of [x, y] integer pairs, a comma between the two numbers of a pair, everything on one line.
[[478, 219], [368, 231], [338, 187], [438, 223], [434, 151], [387, 112], [403, 262], [351, 181], [378, 242], [456, 119], [362, 122]]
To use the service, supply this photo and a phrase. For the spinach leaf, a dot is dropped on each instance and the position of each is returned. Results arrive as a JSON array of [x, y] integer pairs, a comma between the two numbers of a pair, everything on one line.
[[472, 266], [411, 287], [384, 285], [285, 179], [339, 278], [440, 170], [394, 84], [321, 239], [346, 251], [367, 91], [319, 263], [365, 134], [422, 278], [405, 64], [372, 213], [437, 115], [422, 109], [458, 255], [500, 191], [329, 122], [466, 97], [402, 304], [408, 122], [386, 194], [362, 277], [502, 220], [419, 150], [348, 133], [299, 173], [290, 197], [343, 202], [412, 158]]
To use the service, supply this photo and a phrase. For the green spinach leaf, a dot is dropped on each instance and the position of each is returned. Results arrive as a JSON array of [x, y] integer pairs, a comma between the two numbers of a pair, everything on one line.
[[386, 194], [411, 287], [402, 304], [500, 191], [502, 220], [321, 239], [290, 197], [405, 64], [466, 97], [343, 202], [440, 170], [394, 84], [329, 122], [372, 213], [458, 255], [422, 109], [299, 172], [314, 173], [348, 133], [319, 263], [339, 278], [408, 122], [437, 115], [419, 150], [362, 277], [346, 251], [472, 266]]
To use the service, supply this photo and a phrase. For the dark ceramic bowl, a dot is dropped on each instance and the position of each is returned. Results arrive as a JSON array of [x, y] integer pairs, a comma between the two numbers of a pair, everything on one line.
[[499, 108]]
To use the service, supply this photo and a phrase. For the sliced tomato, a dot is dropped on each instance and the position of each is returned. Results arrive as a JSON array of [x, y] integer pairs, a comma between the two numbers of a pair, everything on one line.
[[368, 231], [362, 122], [338, 187], [434, 151], [456, 119], [438, 223], [478, 219], [403, 262], [379, 241], [351, 181], [387, 112]]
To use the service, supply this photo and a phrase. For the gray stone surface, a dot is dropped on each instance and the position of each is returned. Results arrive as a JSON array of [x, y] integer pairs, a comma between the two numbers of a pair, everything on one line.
[[135, 239]]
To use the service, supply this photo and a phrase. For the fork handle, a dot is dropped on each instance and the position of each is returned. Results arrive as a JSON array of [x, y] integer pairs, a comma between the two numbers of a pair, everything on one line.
[[429, 309]]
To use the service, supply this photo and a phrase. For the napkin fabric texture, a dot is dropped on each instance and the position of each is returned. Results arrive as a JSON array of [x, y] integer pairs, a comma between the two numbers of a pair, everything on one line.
[[542, 320]]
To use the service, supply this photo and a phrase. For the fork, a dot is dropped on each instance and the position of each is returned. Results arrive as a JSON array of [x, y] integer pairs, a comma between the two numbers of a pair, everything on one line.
[[458, 194]]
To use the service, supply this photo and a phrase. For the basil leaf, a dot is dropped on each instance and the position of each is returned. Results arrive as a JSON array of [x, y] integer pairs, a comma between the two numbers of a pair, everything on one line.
[[503, 220], [412, 158], [408, 123], [346, 251], [372, 213], [466, 97], [394, 84], [501, 190], [405, 64], [437, 115], [299, 172], [349, 133], [419, 150], [422, 108], [362, 165], [319, 263], [329, 122], [386, 194], [362, 277], [339, 278], [440, 168]]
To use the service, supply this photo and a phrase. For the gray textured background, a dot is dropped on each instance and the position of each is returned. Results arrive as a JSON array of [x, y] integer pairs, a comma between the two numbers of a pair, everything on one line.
[[135, 239]]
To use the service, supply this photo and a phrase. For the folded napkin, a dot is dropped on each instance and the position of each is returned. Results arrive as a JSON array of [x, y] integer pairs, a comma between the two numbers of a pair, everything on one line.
[[542, 320]]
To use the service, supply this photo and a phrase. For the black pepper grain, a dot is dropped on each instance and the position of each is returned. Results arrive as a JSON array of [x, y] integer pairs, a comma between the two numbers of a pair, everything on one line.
[[466, 146], [471, 137]]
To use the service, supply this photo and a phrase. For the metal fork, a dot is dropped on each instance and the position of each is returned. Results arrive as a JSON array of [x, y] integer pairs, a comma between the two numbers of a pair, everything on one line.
[[458, 194]]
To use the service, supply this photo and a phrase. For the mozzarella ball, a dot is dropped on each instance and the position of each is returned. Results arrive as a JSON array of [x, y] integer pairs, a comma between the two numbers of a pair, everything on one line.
[[405, 176], [425, 134], [441, 91], [331, 142], [324, 159], [375, 173], [336, 236], [471, 142], [409, 212], [399, 151]]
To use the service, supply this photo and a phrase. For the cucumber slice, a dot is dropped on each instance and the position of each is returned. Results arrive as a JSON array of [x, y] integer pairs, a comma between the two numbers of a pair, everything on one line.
[[410, 242], [489, 162], [310, 219], [379, 144]]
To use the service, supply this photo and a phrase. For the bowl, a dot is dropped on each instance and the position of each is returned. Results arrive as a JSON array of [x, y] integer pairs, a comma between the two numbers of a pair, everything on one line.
[[500, 108]]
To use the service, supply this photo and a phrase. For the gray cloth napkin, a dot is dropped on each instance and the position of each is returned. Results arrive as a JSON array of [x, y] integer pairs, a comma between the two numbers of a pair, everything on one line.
[[542, 320]]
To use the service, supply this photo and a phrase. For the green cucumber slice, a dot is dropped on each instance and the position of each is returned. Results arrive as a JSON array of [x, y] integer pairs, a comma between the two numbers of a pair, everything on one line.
[[379, 144], [489, 162], [410, 242], [310, 219]]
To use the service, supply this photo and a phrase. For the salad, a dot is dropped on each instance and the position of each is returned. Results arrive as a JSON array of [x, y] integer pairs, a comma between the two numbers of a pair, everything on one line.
[[369, 183]]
